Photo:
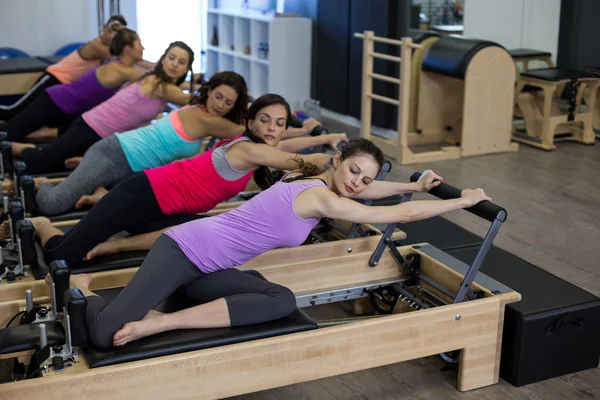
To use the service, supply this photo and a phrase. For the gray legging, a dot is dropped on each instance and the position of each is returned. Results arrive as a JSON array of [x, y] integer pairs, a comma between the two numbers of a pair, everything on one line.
[[103, 164], [250, 300]]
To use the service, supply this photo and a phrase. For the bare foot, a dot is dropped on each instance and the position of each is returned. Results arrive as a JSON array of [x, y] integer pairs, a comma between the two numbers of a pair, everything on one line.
[[152, 313], [111, 246], [81, 281], [149, 325], [4, 230], [43, 135], [39, 180], [91, 199], [17, 148], [73, 162], [37, 221]]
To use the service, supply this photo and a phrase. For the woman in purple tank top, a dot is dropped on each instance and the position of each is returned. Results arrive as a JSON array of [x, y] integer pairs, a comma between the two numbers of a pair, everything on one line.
[[133, 106], [199, 258], [60, 105]]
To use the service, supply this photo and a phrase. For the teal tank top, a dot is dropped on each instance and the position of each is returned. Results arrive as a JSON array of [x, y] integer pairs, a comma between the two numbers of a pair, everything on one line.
[[156, 145]]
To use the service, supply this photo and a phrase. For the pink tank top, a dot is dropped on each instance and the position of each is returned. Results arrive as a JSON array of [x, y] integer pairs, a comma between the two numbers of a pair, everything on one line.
[[126, 110], [194, 185], [265, 222], [72, 67]]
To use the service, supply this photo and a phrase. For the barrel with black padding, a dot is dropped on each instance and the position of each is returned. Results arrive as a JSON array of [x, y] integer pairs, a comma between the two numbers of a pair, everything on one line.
[[485, 209], [450, 56], [419, 36]]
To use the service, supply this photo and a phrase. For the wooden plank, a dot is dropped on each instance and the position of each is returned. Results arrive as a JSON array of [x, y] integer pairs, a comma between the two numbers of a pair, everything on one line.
[[12, 84]]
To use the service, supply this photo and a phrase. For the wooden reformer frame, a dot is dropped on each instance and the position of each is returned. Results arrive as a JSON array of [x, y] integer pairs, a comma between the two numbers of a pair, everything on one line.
[[442, 102], [475, 327], [545, 123]]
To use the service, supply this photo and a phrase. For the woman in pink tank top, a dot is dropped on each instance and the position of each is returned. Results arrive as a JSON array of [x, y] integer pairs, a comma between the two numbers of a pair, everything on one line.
[[131, 107], [199, 257], [60, 105], [70, 68]]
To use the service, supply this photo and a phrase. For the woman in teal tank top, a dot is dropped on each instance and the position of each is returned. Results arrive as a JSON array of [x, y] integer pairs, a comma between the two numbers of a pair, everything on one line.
[[219, 110]]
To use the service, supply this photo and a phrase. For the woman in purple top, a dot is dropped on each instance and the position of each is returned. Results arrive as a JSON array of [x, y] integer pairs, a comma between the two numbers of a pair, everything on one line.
[[60, 105], [198, 258]]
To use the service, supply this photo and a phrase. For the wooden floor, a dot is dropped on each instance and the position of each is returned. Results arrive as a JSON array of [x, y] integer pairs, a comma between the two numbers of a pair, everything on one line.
[[553, 203]]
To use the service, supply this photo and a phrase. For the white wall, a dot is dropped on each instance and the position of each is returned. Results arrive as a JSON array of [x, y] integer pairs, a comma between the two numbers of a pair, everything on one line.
[[40, 27], [514, 24]]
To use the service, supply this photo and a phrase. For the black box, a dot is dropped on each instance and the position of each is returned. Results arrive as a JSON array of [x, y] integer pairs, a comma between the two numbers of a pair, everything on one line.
[[555, 328]]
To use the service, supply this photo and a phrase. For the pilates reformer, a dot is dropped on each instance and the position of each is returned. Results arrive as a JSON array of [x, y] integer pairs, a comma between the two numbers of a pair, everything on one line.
[[464, 99], [361, 237], [455, 308]]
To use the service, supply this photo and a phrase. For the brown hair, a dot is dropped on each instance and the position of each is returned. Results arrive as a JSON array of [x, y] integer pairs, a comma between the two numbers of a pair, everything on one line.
[[237, 114], [349, 148]]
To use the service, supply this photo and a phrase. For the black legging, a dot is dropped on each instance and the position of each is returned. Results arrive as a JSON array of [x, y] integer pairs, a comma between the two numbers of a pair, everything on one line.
[[250, 300], [40, 113], [40, 86], [72, 143], [130, 206]]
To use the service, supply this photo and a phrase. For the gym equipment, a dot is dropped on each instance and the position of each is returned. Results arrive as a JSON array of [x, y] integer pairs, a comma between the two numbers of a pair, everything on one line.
[[17, 75], [425, 39], [458, 308], [68, 48], [525, 56], [465, 95], [551, 332], [547, 117], [11, 52]]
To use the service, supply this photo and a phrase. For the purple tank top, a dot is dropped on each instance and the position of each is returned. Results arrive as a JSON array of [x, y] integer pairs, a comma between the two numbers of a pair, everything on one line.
[[265, 222], [80, 95]]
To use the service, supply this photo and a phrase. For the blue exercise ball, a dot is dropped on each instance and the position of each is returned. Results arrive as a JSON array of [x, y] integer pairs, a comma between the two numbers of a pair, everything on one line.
[[11, 52], [68, 49]]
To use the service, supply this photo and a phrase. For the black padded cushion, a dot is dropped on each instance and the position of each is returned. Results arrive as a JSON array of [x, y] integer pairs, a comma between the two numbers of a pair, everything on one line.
[[27, 337], [51, 59], [104, 263], [180, 341], [557, 74], [540, 290], [22, 65], [524, 53], [450, 56], [419, 36]]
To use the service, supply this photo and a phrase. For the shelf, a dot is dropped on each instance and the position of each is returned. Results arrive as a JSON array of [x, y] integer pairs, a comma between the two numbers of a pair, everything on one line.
[[238, 55], [248, 14]]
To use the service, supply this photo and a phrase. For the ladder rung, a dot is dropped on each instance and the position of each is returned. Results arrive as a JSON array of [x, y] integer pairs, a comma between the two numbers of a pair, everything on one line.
[[386, 57], [384, 99], [385, 78]]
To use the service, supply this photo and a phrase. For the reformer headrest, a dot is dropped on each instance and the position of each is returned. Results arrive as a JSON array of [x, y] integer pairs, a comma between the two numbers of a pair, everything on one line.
[[76, 304], [419, 36], [450, 56]]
